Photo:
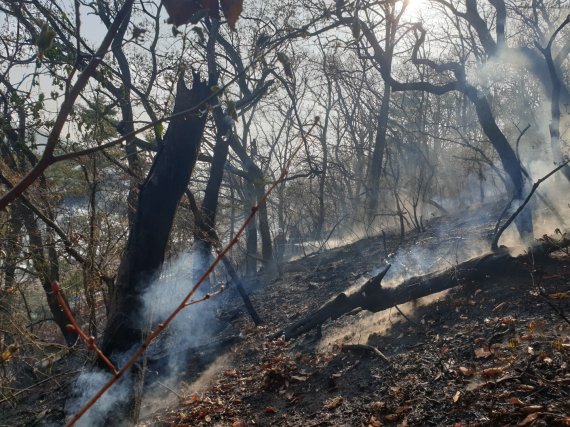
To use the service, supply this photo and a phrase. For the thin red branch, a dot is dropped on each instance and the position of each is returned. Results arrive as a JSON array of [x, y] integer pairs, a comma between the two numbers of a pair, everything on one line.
[[206, 297], [88, 339]]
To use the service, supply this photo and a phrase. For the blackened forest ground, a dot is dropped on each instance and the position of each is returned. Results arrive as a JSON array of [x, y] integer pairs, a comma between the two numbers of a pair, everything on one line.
[[494, 352]]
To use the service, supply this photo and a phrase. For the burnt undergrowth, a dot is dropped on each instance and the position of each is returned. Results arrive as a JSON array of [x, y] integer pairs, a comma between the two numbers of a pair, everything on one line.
[[491, 351]]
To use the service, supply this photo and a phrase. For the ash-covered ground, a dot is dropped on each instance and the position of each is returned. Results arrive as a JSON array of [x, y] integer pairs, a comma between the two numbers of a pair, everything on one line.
[[491, 352]]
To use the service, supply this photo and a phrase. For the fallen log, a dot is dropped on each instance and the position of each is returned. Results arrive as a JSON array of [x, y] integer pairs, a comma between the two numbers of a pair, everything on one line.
[[372, 297]]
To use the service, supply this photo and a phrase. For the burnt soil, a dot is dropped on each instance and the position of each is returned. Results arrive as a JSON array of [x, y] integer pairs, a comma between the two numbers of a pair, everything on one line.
[[493, 352]]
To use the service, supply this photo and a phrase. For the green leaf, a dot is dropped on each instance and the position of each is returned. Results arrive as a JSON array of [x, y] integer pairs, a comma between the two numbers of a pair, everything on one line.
[[159, 129]]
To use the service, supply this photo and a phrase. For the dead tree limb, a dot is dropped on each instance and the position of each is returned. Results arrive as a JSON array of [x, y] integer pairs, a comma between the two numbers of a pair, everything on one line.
[[372, 297], [495, 242], [332, 310]]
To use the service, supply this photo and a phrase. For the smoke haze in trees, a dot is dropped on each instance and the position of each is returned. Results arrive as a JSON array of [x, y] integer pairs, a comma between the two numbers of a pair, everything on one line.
[[193, 327]]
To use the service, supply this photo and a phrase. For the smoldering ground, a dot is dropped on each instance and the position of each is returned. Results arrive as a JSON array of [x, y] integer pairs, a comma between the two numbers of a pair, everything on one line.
[[167, 356]]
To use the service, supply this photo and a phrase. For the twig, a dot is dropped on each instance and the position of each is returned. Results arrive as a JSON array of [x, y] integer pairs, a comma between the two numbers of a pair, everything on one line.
[[364, 347], [184, 303], [327, 239], [404, 316], [89, 340], [169, 389], [541, 293], [206, 297], [6, 399], [554, 308]]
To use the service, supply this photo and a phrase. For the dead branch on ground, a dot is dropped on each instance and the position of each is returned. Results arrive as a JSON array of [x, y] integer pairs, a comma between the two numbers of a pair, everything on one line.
[[372, 297]]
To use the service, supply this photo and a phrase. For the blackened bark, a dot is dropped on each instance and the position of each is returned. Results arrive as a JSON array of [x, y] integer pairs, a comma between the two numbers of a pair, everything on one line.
[[255, 176], [250, 232], [500, 25], [321, 216], [210, 238], [127, 124], [557, 88], [221, 150], [378, 153], [264, 231], [509, 160], [157, 203], [47, 267], [11, 249], [206, 220], [480, 26]]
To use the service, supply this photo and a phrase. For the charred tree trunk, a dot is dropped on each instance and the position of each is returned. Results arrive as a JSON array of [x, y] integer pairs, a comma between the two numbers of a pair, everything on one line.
[[375, 169], [204, 225], [251, 233], [509, 160], [321, 216], [12, 252], [205, 222], [221, 150], [158, 199], [264, 231], [126, 126], [47, 268], [211, 239], [558, 87], [255, 177]]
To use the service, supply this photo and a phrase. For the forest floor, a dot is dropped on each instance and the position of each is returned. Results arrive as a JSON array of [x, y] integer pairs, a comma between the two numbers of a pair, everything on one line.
[[493, 352]]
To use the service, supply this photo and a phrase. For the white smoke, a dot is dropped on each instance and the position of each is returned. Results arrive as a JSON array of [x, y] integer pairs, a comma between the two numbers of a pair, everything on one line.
[[86, 386], [194, 326]]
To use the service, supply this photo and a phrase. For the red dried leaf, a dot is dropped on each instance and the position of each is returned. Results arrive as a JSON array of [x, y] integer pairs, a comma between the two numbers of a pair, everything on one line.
[[181, 11], [232, 10], [515, 401], [271, 410]]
